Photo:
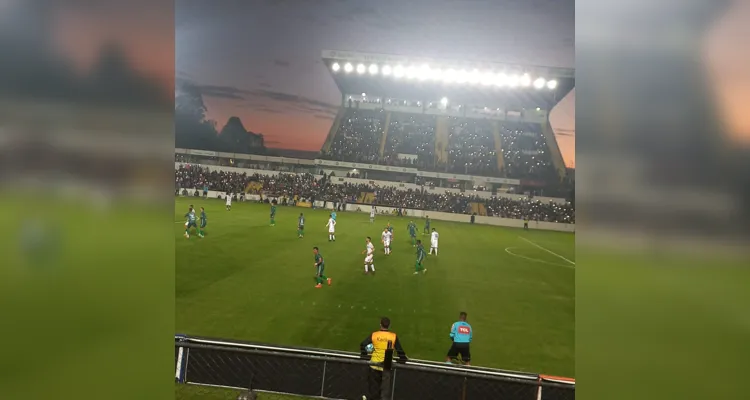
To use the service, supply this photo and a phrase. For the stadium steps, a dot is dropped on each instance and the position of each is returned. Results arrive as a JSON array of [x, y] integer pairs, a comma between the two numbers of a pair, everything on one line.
[[498, 145], [554, 149], [479, 209], [334, 128], [442, 128], [385, 133]]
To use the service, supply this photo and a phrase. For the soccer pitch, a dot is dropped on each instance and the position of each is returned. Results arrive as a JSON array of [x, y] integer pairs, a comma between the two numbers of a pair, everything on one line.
[[247, 280]]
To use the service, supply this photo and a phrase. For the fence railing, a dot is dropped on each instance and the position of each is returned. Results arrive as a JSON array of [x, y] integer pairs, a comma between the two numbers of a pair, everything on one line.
[[343, 375]]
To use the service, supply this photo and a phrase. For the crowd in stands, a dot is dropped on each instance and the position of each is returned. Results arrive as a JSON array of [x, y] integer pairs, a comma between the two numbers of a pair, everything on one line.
[[358, 137], [525, 152], [307, 186], [471, 148], [411, 141]]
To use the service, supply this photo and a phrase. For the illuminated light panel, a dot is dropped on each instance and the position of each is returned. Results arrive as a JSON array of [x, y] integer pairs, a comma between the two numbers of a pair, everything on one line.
[[373, 69], [539, 83], [513, 81], [474, 77], [424, 73], [449, 76], [411, 72], [501, 80], [487, 78], [348, 68], [336, 67], [525, 80], [462, 77], [361, 68], [398, 72], [436, 74], [387, 70], [551, 85]]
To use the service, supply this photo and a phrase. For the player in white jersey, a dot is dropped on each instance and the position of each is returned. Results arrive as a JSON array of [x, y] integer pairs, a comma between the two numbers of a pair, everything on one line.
[[331, 224], [434, 241], [369, 256], [386, 239], [372, 214], [229, 201]]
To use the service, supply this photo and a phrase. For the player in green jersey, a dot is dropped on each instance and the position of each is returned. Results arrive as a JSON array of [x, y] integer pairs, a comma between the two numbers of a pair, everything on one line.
[[301, 226], [273, 213], [204, 222], [420, 258], [320, 266], [412, 228], [190, 223]]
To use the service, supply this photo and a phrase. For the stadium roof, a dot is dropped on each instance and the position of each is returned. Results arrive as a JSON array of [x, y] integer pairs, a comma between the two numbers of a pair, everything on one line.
[[464, 82]]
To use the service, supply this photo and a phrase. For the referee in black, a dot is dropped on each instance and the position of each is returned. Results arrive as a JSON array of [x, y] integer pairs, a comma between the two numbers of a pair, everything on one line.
[[381, 340]]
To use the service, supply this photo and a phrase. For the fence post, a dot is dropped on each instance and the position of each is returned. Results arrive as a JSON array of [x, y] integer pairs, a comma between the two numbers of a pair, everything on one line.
[[385, 385], [323, 381]]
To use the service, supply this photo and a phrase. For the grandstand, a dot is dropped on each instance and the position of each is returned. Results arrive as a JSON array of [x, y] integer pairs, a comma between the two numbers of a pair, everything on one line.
[[483, 124]]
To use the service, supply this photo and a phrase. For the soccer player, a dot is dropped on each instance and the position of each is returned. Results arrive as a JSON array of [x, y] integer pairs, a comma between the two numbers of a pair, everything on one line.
[[333, 215], [434, 241], [420, 257], [190, 223], [385, 237], [320, 266], [370, 255], [412, 227], [331, 224], [273, 214], [204, 222], [426, 225], [301, 226], [229, 202], [461, 334], [526, 222], [372, 214]]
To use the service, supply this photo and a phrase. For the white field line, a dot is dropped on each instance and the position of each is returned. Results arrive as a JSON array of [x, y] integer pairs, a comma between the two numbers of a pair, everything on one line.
[[548, 251], [508, 250]]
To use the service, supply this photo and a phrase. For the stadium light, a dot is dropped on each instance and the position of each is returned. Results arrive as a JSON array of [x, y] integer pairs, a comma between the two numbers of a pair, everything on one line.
[[463, 76], [360, 69], [348, 68], [364, 94], [373, 69], [474, 77], [551, 85], [487, 78], [387, 70], [539, 83], [411, 72], [525, 80], [336, 67], [449, 76], [501, 79], [513, 81], [436, 74], [398, 72], [424, 72], [444, 101]]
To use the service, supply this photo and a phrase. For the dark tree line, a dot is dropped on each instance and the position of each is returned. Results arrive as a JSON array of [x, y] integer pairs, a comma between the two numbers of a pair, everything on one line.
[[194, 130]]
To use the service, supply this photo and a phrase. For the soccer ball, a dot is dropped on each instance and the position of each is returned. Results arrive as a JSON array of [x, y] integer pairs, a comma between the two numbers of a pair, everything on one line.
[[370, 348]]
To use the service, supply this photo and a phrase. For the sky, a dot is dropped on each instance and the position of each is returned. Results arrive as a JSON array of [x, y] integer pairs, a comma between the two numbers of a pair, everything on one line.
[[260, 60]]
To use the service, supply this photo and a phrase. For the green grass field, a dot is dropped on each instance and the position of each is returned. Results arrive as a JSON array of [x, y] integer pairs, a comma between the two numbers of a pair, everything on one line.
[[247, 280]]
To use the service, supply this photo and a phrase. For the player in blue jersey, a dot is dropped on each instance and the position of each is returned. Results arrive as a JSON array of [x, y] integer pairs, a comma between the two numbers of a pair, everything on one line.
[[333, 215], [190, 223], [461, 335]]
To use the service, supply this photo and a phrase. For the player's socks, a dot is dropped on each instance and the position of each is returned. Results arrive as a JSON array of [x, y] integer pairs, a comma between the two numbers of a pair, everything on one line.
[[329, 281], [366, 268], [372, 267]]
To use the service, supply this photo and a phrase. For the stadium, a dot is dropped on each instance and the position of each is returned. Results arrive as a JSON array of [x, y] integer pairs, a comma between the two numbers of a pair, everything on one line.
[[465, 145]]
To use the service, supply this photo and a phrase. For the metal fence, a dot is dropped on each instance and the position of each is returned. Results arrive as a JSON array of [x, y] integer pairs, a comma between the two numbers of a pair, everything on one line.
[[269, 371]]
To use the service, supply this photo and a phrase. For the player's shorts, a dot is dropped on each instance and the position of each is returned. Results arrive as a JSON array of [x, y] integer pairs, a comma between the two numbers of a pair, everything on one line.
[[301, 227], [387, 243], [460, 349], [189, 225], [203, 224], [368, 259], [320, 270], [331, 231], [434, 244]]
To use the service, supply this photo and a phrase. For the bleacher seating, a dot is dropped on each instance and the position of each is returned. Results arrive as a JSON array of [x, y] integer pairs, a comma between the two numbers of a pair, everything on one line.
[[411, 134], [525, 152], [471, 147], [358, 137]]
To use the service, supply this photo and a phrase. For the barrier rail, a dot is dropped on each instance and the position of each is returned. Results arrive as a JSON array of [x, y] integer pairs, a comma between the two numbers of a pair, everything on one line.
[[332, 374]]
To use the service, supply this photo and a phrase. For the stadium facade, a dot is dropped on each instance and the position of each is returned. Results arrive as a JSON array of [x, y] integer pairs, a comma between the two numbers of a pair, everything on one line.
[[475, 121]]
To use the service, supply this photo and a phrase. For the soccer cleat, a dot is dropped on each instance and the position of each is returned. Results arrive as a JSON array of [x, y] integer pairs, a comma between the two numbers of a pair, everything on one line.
[[424, 270], [318, 286], [416, 272], [329, 281]]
